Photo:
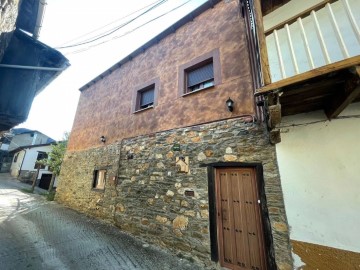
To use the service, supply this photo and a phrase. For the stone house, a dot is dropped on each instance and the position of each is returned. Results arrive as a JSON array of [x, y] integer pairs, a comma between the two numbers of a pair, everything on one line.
[[310, 59], [169, 145]]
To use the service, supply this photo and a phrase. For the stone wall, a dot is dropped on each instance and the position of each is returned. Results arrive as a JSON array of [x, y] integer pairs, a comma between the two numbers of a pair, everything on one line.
[[8, 15], [149, 199]]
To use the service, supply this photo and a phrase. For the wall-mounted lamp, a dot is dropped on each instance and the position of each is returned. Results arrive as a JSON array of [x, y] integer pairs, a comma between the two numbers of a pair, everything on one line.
[[230, 104], [102, 139]]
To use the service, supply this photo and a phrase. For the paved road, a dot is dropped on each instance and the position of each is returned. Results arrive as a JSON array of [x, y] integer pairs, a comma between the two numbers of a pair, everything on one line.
[[37, 234]]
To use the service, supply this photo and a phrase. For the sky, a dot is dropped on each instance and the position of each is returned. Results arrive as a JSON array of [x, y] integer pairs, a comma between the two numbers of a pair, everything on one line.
[[68, 23]]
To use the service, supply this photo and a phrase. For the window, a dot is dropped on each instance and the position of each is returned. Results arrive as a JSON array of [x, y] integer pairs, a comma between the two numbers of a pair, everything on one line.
[[16, 157], [200, 77], [201, 73], [99, 179], [145, 96], [41, 155]]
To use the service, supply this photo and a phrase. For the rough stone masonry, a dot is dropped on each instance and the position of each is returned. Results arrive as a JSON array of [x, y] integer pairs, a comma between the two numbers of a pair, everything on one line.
[[149, 197]]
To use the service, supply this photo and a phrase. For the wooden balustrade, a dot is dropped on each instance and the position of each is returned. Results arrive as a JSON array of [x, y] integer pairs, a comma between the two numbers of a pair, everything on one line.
[[326, 34]]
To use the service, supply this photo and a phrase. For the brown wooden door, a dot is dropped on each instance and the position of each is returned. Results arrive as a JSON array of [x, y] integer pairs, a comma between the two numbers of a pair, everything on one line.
[[240, 233]]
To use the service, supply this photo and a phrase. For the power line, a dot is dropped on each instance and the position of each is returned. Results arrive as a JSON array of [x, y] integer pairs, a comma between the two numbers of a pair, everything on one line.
[[129, 32], [115, 29], [104, 26]]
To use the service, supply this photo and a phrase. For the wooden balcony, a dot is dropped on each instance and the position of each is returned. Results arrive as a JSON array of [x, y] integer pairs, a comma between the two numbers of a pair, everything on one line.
[[313, 50]]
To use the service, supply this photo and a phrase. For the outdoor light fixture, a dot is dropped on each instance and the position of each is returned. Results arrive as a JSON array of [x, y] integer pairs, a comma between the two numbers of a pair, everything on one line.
[[102, 139], [230, 104]]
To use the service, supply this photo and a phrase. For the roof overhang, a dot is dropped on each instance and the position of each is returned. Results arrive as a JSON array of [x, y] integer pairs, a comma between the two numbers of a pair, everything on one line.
[[19, 86]]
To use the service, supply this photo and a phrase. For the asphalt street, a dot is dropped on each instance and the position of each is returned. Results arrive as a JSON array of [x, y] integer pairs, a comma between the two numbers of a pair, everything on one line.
[[38, 234]]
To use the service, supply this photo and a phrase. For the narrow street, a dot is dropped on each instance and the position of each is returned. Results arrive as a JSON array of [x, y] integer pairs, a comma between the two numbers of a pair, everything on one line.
[[38, 234]]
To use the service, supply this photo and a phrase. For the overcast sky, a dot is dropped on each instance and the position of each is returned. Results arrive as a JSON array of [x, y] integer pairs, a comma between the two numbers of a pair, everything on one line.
[[66, 22]]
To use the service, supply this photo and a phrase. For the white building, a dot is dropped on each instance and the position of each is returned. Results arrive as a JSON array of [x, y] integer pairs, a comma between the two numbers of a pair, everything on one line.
[[24, 164]]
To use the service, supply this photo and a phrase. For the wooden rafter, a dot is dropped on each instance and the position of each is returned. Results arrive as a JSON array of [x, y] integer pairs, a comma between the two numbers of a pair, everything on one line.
[[350, 93]]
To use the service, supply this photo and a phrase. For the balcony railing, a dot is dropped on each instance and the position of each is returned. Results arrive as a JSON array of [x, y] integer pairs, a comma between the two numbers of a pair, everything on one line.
[[327, 33]]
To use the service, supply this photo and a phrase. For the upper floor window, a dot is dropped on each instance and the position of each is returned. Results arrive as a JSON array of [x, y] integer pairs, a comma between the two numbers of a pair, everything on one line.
[[146, 98], [145, 95], [200, 77], [201, 73], [41, 155]]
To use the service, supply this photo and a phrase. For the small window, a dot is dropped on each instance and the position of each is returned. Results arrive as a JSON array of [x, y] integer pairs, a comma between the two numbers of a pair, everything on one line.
[[145, 95], [41, 155], [200, 73], [146, 98], [200, 77], [99, 179]]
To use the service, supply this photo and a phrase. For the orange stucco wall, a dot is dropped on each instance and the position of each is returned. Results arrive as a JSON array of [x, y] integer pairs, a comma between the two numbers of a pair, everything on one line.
[[106, 107]]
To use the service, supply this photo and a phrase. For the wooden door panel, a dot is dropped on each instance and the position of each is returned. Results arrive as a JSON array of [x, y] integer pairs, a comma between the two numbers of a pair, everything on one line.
[[241, 239], [240, 232], [226, 216]]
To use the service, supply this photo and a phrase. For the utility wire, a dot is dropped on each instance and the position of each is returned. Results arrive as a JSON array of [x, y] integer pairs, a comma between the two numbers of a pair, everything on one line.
[[128, 32], [115, 29], [104, 26]]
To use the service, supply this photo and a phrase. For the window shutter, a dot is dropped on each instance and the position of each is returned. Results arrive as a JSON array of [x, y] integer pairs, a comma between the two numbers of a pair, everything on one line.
[[200, 75], [147, 97]]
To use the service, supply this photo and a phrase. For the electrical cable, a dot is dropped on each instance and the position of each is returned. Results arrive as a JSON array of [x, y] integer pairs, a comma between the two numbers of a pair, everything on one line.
[[128, 32], [97, 29], [115, 29]]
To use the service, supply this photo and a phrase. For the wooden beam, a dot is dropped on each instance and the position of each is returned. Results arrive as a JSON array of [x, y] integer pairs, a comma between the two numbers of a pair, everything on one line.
[[341, 101], [262, 42], [343, 64]]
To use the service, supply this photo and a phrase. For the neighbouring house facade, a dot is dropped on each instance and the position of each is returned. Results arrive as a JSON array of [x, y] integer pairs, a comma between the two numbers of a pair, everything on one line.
[[23, 137], [310, 58], [24, 165], [168, 144], [16, 138]]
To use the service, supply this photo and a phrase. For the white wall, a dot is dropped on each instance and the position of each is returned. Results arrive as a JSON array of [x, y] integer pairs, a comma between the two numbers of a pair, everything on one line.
[[15, 166], [320, 173], [31, 157]]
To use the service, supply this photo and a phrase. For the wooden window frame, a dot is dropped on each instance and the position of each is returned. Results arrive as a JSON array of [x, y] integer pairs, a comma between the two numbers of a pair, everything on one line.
[[155, 83], [212, 56]]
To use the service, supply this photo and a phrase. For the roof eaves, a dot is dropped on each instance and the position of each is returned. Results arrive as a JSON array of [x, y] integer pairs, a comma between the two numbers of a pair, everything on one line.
[[30, 146], [189, 17]]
